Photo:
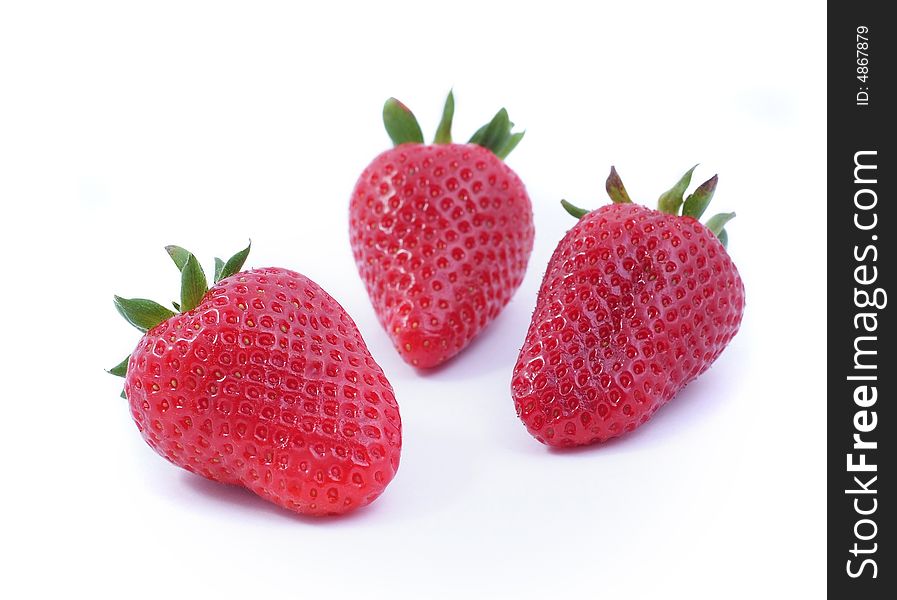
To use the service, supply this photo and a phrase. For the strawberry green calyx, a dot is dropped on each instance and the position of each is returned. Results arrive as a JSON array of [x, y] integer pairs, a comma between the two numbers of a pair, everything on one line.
[[444, 131], [697, 201], [219, 269], [401, 124], [145, 314], [194, 284], [717, 224], [671, 202], [141, 313], [615, 188], [574, 211], [121, 368], [496, 135], [695, 204], [723, 238], [233, 264], [178, 255]]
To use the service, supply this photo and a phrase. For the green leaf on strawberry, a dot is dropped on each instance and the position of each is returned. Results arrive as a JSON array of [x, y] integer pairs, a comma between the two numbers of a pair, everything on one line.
[[574, 211], [496, 135], [697, 201], [178, 255], [401, 124], [717, 224], [219, 267], [121, 369], [193, 284], [142, 313], [615, 188], [723, 238], [444, 131], [233, 264], [670, 202]]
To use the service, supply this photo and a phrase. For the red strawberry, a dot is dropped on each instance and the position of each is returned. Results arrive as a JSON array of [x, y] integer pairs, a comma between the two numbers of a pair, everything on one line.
[[441, 233], [263, 381], [635, 304]]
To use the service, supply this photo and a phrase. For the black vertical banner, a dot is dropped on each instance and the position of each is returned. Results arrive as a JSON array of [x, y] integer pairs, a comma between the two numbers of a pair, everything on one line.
[[861, 267]]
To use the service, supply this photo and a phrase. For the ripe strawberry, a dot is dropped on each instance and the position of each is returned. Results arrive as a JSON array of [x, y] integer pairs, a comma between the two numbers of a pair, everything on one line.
[[263, 381], [634, 305], [441, 233]]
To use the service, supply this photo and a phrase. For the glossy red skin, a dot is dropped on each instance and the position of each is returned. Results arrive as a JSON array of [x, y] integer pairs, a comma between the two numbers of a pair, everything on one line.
[[268, 384], [634, 305], [441, 236]]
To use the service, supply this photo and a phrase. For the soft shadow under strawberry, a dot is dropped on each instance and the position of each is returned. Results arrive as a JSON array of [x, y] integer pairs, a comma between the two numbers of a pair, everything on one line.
[[243, 499]]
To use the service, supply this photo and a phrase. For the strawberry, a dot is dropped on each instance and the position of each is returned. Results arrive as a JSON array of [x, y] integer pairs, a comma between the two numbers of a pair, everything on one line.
[[441, 233], [635, 304], [262, 381]]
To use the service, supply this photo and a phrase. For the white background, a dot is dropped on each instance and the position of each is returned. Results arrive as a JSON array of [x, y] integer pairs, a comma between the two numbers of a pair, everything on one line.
[[125, 128]]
